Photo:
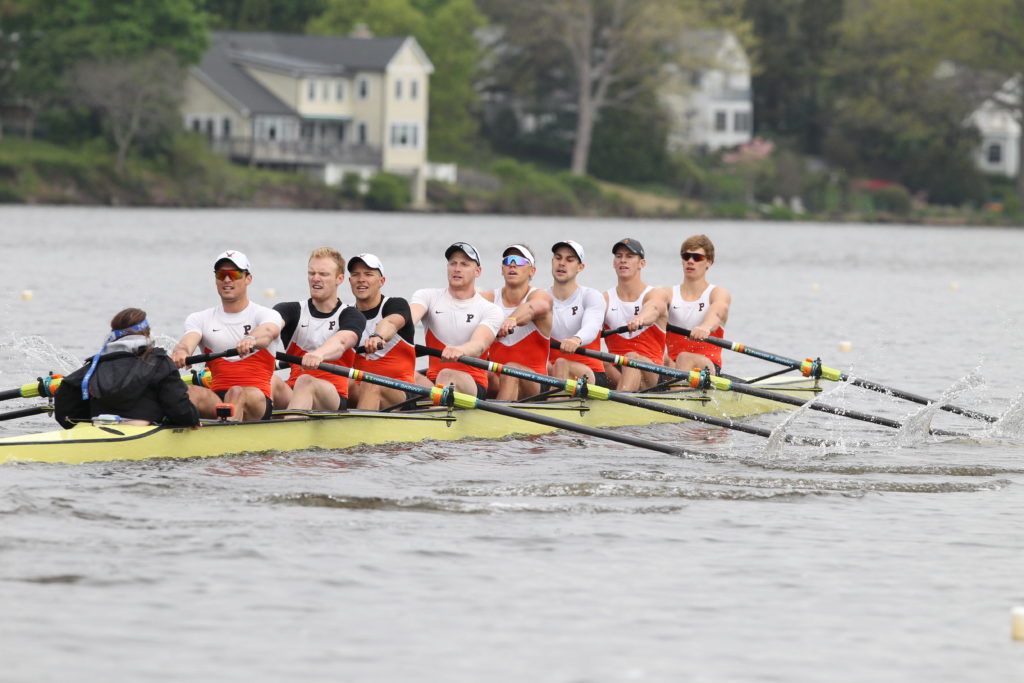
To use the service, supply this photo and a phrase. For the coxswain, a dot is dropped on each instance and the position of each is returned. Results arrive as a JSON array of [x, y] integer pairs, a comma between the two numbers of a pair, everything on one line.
[[458, 322], [129, 378], [388, 340], [320, 329], [524, 336], [236, 323], [697, 306], [577, 316], [642, 308]]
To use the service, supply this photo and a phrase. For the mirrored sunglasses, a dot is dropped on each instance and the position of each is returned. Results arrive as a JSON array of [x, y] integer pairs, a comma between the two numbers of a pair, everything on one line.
[[515, 260], [691, 256], [232, 273]]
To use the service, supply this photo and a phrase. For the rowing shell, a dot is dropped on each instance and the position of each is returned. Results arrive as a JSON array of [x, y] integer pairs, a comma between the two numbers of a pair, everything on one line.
[[90, 442]]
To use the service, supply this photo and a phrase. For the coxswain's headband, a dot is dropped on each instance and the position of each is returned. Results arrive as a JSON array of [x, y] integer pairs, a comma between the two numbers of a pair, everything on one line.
[[113, 336]]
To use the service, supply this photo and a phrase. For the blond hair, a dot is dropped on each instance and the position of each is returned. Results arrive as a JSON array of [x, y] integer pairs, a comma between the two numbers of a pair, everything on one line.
[[329, 253]]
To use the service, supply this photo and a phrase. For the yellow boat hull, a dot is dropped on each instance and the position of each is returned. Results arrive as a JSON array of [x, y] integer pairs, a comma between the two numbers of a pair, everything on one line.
[[99, 442]]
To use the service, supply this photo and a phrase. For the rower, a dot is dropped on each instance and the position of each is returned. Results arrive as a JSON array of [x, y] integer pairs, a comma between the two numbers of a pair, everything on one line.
[[388, 338], [458, 322], [238, 323], [699, 307], [640, 307], [523, 338], [129, 378], [577, 315], [320, 329]]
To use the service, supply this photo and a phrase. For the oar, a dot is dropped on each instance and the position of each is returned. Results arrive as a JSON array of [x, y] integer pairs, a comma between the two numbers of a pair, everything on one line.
[[24, 412], [695, 379], [46, 386], [572, 387], [816, 369], [444, 395]]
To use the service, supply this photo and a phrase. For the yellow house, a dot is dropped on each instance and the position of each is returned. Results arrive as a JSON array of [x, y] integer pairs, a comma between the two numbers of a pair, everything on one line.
[[328, 105]]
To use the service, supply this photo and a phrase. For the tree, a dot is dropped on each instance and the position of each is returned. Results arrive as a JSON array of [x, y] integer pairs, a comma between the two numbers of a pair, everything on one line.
[[286, 16], [444, 28], [613, 49], [136, 97], [56, 34]]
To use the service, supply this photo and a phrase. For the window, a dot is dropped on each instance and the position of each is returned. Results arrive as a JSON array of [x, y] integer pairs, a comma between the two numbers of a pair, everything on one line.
[[364, 88], [414, 89], [720, 121], [405, 135], [325, 91], [311, 90], [339, 91], [341, 132], [209, 129], [398, 89], [995, 153], [741, 121], [197, 125], [226, 128], [361, 133]]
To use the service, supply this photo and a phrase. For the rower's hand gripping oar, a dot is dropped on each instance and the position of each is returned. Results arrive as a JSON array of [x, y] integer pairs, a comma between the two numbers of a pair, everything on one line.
[[573, 388], [446, 396], [813, 368], [703, 380]]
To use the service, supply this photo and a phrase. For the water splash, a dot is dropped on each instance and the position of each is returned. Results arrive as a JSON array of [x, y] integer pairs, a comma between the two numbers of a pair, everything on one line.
[[773, 449], [1011, 423], [916, 428], [40, 352]]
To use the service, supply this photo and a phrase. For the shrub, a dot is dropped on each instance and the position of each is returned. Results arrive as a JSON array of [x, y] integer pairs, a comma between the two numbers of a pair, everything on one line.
[[388, 192], [351, 186], [894, 199]]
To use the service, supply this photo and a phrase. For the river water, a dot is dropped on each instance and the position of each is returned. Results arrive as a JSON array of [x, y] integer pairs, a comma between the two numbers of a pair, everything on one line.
[[896, 556]]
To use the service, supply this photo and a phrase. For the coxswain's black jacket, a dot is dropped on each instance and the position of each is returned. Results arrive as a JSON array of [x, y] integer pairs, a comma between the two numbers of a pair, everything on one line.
[[129, 385]]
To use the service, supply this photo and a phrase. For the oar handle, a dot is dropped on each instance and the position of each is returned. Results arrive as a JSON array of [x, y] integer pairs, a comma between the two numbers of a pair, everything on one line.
[[617, 330], [207, 357], [24, 412]]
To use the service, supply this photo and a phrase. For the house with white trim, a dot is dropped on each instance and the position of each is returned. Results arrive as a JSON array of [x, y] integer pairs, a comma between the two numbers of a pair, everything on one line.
[[327, 105], [708, 93], [999, 151]]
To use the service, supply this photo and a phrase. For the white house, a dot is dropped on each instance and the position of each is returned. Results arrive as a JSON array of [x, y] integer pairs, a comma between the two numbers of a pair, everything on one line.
[[328, 105], [999, 152], [708, 94]]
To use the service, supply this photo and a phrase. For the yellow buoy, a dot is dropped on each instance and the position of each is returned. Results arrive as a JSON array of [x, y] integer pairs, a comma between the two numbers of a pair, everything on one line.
[[270, 293], [955, 286], [1017, 620], [26, 295], [845, 346], [815, 287]]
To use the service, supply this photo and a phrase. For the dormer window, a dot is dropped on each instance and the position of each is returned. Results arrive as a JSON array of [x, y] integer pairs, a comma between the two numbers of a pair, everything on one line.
[[398, 89], [414, 89], [339, 91], [311, 90], [364, 88]]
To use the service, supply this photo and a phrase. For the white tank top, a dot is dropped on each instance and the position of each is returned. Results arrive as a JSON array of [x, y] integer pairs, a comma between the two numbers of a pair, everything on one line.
[[688, 314], [371, 326], [453, 321], [520, 332], [621, 312], [311, 333], [221, 330]]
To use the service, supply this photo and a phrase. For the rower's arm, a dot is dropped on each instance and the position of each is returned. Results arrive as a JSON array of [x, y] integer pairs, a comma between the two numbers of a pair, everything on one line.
[[654, 308], [535, 306], [417, 311], [717, 315], [481, 340], [184, 348], [390, 325]]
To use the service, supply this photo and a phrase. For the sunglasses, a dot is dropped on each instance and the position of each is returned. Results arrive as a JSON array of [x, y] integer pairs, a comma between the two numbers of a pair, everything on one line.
[[514, 260], [232, 273], [690, 256]]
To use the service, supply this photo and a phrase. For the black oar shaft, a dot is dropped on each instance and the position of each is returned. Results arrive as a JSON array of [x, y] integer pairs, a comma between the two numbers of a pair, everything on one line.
[[207, 357], [626, 399], [10, 393], [24, 412], [473, 402]]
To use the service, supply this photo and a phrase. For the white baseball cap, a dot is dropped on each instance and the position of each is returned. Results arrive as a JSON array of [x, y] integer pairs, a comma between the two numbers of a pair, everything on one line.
[[522, 250], [369, 260], [575, 246], [236, 257]]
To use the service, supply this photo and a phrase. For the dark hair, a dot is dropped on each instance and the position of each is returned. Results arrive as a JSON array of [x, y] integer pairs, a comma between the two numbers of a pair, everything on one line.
[[127, 318]]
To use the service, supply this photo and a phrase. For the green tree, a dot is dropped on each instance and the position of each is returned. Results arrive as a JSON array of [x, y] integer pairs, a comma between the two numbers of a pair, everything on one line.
[[285, 16], [444, 28]]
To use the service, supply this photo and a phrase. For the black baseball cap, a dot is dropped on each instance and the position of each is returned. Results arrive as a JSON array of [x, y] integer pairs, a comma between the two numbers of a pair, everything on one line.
[[631, 244], [466, 248]]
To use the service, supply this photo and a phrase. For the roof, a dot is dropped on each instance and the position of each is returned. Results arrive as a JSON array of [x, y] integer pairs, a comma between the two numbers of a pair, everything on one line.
[[298, 55]]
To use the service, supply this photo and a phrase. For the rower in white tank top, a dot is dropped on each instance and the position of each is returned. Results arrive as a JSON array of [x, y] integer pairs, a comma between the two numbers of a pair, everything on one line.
[[688, 314]]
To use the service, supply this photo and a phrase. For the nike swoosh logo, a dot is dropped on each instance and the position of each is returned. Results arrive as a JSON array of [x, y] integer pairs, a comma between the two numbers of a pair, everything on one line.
[[214, 329], [306, 325], [438, 312]]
